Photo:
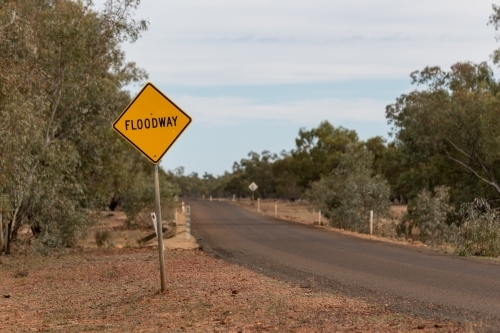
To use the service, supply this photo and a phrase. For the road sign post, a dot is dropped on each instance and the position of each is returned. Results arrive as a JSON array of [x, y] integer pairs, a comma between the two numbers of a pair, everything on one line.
[[159, 227], [152, 123], [252, 188]]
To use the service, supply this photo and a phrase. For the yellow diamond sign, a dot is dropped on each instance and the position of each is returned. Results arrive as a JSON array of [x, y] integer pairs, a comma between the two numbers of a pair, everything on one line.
[[152, 123]]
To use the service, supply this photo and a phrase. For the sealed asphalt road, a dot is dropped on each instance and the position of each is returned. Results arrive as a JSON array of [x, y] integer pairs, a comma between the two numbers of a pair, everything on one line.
[[403, 278]]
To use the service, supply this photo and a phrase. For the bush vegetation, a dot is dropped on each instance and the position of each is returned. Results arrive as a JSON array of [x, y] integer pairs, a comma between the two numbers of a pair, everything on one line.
[[429, 213], [351, 191], [479, 234], [62, 83]]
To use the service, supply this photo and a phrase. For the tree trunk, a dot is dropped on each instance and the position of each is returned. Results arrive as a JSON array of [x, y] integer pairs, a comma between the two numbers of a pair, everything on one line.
[[1, 233], [7, 246], [115, 201]]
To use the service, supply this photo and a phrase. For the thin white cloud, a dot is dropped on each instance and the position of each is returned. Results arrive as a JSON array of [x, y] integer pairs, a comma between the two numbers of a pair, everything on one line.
[[197, 42], [220, 42], [230, 110]]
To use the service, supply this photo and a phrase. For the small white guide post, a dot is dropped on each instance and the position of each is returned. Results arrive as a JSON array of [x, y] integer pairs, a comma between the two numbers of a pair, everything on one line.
[[371, 223], [234, 197], [153, 217], [210, 198], [203, 197], [319, 217], [188, 222], [155, 223]]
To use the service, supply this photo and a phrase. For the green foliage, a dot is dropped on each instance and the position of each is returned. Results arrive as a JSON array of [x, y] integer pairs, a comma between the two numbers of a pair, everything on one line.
[[347, 195], [257, 168], [429, 213], [449, 132], [318, 151], [286, 177], [479, 234], [139, 197], [102, 237], [195, 187], [61, 79]]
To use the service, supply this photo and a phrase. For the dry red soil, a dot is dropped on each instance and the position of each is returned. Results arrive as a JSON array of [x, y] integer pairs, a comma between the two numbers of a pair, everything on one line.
[[117, 290]]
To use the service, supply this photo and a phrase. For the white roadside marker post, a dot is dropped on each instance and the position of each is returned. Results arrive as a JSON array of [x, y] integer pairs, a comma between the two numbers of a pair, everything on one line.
[[210, 198], [155, 224], [234, 197], [258, 205], [371, 223], [188, 222], [319, 217]]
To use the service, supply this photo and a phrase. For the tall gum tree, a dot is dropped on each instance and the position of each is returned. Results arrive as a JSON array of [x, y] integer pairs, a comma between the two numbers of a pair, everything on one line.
[[62, 76], [456, 115]]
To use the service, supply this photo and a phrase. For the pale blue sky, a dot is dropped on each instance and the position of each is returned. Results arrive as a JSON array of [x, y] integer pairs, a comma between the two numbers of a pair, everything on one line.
[[251, 73]]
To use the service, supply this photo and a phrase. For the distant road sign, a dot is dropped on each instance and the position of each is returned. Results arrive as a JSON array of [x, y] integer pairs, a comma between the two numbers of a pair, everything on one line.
[[152, 123], [253, 187]]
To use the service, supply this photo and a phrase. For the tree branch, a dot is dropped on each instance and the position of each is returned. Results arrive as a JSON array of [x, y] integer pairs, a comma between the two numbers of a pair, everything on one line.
[[492, 183]]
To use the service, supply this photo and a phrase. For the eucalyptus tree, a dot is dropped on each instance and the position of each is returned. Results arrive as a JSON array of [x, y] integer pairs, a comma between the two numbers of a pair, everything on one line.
[[318, 151], [351, 190], [62, 79], [451, 129], [256, 168]]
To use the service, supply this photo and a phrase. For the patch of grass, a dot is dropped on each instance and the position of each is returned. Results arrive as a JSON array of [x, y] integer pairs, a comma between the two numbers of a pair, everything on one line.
[[102, 237], [109, 273], [21, 273]]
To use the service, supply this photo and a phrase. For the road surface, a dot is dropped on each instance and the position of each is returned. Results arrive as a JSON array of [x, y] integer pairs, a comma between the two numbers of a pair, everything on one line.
[[403, 278]]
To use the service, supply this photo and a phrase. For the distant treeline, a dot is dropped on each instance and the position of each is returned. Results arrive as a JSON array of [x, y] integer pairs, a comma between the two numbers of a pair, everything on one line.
[[443, 159]]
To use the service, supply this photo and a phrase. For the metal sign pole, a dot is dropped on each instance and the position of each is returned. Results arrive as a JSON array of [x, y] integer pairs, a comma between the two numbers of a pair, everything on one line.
[[159, 227]]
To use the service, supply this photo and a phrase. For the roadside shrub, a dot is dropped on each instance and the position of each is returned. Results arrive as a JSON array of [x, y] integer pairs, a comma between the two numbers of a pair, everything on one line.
[[479, 234], [429, 214], [102, 237], [139, 199], [347, 195]]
